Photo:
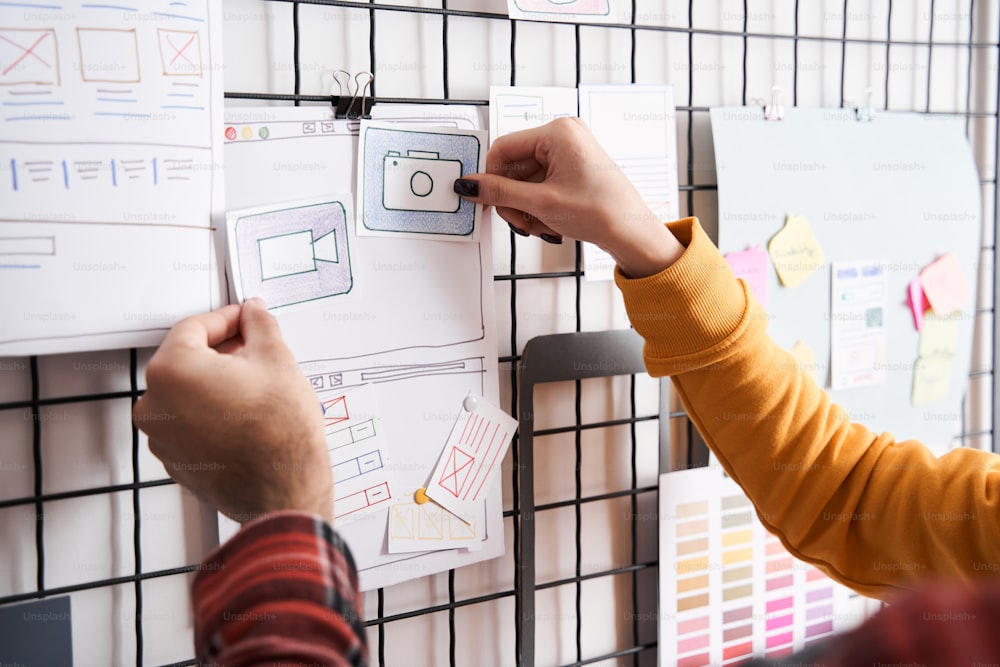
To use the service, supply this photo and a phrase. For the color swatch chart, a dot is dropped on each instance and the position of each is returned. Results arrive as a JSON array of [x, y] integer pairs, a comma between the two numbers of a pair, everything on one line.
[[728, 589]]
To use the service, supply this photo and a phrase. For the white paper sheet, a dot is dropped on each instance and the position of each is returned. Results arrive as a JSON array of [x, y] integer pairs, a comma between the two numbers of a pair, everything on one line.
[[637, 126], [470, 463], [108, 163], [515, 108], [418, 322], [858, 323]]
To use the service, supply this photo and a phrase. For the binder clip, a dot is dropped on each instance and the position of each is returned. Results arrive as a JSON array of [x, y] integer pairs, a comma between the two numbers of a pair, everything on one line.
[[352, 101], [774, 110], [866, 112]]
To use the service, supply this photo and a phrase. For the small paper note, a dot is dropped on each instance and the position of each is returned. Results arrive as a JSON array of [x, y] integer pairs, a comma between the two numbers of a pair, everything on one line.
[[918, 302], [795, 251], [470, 462], [939, 335], [945, 285], [751, 265], [428, 527], [805, 358], [931, 379], [858, 328]]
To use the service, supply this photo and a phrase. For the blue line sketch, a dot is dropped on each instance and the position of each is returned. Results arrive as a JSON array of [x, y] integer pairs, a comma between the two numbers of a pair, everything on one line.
[[408, 178], [293, 255]]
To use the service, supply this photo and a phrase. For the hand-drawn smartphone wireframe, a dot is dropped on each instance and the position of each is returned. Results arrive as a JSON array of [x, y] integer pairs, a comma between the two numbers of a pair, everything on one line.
[[291, 253], [406, 176]]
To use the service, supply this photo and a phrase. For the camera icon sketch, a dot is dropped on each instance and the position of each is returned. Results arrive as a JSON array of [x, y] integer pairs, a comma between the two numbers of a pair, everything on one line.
[[420, 181], [406, 179]]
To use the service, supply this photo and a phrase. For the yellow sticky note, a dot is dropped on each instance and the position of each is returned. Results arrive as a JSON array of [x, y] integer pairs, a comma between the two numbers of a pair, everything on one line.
[[805, 358], [939, 335], [795, 251], [931, 379]]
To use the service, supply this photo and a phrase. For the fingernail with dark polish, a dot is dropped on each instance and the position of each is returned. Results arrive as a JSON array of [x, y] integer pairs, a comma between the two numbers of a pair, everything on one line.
[[549, 238], [517, 230], [466, 187]]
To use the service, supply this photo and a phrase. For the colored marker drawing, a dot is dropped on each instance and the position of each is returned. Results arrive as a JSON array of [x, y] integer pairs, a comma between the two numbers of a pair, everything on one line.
[[292, 255], [28, 57], [406, 181]]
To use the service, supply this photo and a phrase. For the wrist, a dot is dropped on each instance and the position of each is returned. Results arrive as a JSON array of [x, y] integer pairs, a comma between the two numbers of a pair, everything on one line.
[[646, 250]]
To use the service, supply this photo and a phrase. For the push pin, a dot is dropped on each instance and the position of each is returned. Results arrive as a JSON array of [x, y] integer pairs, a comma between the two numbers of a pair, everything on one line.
[[420, 496], [470, 403]]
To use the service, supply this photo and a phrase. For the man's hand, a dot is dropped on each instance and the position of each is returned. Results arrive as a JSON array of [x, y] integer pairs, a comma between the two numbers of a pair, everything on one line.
[[557, 180], [232, 417]]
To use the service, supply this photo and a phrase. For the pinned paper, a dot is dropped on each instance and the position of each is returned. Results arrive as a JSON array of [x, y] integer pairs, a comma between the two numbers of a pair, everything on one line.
[[939, 337], [470, 462], [931, 379], [805, 358], [795, 251], [426, 526], [945, 285], [858, 328], [918, 302], [751, 265]]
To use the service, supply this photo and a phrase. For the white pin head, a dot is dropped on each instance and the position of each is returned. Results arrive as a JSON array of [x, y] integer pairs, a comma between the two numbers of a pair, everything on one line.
[[470, 403]]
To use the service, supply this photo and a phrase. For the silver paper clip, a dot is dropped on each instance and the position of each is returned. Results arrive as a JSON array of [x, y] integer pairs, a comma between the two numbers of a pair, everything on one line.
[[866, 112], [774, 110]]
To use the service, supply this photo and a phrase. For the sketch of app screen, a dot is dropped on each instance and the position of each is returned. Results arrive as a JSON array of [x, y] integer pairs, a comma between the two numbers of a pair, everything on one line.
[[420, 181]]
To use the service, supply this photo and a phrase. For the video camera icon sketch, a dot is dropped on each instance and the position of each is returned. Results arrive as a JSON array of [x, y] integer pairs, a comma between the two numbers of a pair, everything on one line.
[[420, 181]]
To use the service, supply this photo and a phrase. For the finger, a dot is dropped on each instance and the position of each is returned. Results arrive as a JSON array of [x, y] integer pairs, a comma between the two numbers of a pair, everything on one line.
[[501, 192], [519, 146], [529, 224], [205, 330], [258, 327], [231, 346], [522, 170]]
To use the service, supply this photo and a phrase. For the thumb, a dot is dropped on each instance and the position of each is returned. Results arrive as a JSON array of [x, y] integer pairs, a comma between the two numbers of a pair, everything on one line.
[[257, 325], [502, 192]]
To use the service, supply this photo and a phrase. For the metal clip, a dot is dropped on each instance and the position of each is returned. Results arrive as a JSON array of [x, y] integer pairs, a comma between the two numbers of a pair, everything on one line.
[[774, 110], [866, 112]]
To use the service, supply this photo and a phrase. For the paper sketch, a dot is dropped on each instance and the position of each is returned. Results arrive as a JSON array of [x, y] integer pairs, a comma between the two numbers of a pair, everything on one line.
[[112, 154], [405, 179], [470, 462], [422, 337], [416, 527], [292, 253], [358, 456]]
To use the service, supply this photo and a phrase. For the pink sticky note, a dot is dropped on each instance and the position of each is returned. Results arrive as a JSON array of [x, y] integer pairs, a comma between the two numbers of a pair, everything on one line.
[[944, 285], [918, 302], [751, 265]]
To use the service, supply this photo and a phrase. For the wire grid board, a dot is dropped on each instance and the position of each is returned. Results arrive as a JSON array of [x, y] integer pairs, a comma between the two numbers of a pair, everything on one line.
[[85, 510]]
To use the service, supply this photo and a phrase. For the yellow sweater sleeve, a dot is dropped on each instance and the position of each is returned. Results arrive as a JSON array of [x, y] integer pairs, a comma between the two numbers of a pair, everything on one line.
[[875, 514]]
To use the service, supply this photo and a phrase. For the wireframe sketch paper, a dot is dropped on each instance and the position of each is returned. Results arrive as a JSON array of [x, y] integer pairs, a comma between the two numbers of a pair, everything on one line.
[[637, 125], [109, 172], [515, 108], [421, 526], [418, 323], [406, 177], [732, 590], [470, 462], [857, 185], [859, 332], [291, 254], [570, 11]]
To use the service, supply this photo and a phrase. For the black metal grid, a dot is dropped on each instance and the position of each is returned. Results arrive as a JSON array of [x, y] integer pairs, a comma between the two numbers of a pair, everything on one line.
[[979, 53]]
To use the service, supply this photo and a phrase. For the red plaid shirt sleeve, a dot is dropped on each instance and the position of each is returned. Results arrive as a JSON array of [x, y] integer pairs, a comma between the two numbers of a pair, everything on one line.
[[282, 590]]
